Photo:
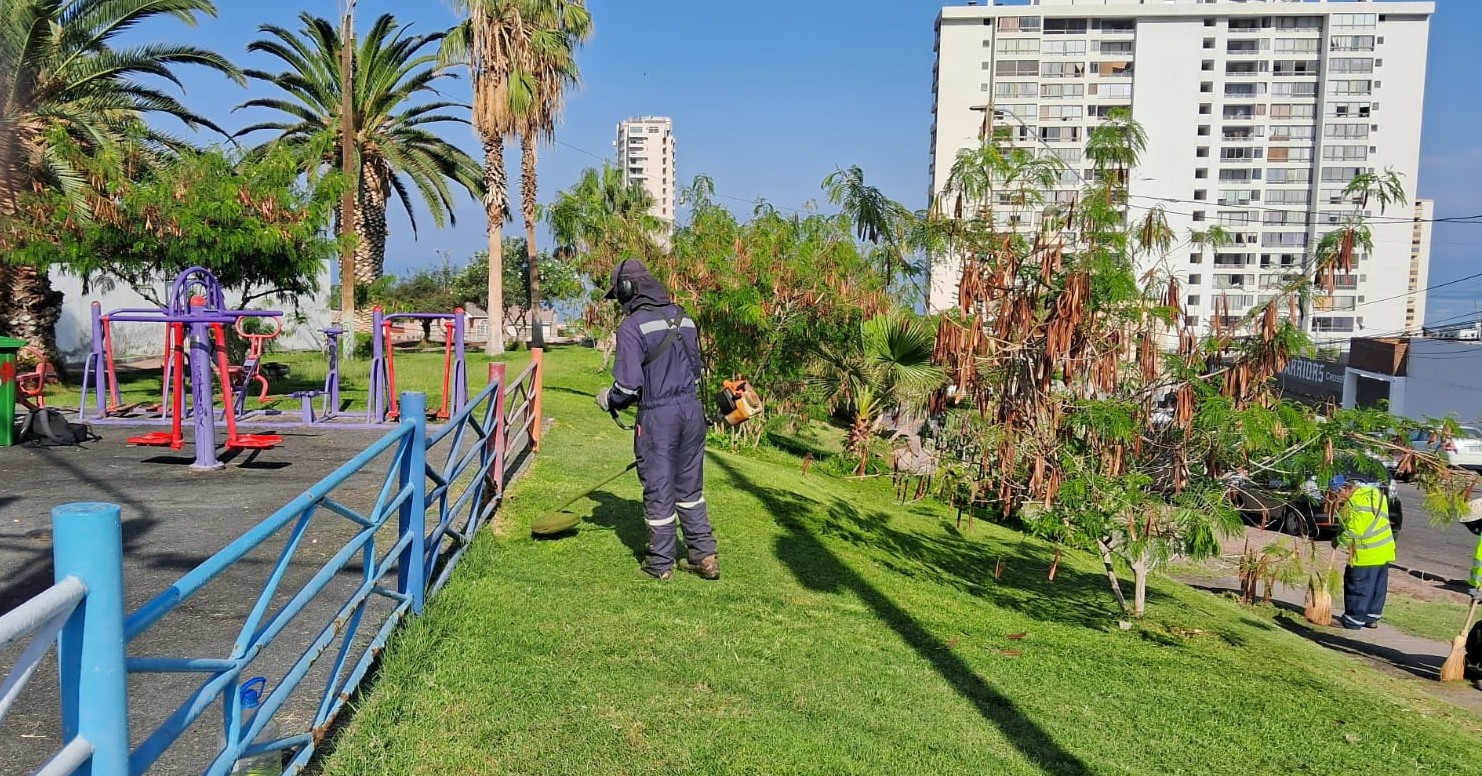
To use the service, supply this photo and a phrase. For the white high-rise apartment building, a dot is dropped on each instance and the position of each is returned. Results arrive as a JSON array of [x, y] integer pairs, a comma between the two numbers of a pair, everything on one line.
[[1257, 113], [645, 154]]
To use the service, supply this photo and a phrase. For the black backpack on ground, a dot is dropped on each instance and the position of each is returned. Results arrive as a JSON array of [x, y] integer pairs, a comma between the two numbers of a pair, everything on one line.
[[48, 427]]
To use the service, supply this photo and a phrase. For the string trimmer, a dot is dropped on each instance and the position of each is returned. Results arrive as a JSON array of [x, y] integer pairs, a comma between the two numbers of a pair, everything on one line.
[[558, 520]]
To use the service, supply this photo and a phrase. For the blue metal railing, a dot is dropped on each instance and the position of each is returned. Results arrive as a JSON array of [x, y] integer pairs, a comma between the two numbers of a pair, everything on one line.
[[84, 612]]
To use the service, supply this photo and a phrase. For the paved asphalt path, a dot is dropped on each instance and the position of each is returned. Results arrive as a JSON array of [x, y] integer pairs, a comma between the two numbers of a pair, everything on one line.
[[175, 518], [1428, 551]]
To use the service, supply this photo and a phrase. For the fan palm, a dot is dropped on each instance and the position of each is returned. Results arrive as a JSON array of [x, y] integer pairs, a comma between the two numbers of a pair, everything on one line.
[[887, 370], [64, 82], [395, 148]]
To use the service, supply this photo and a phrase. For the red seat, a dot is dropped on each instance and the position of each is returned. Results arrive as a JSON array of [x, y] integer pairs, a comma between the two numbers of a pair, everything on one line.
[[254, 442], [158, 439]]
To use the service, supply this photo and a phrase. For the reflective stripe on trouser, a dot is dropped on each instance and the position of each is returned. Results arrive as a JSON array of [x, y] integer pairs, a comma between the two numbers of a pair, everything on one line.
[[1365, 589], [669, 444]]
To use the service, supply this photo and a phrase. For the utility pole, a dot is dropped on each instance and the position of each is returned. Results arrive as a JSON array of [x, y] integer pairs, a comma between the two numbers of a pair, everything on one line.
[[348, 167]]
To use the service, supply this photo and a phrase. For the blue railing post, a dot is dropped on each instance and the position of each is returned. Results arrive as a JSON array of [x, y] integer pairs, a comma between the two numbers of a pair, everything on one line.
[[411, 571], [88, 544]]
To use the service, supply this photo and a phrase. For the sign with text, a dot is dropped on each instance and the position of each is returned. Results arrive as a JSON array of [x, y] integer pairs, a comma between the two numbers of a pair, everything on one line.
[[1313, 379]]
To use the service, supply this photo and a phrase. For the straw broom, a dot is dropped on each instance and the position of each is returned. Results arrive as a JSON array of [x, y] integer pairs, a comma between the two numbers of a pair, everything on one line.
[[1319, 608], [1455, 666]]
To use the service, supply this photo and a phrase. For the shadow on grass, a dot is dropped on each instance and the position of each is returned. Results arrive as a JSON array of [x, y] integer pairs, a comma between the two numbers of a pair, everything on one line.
[[625, 518], [1423, 666], [818, 568]]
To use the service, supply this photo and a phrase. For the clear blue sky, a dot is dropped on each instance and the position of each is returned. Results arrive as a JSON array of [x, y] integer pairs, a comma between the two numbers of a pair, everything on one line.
[[768, 97]]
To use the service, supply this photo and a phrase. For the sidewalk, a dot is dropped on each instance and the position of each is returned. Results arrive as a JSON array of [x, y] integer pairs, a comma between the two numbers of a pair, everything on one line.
[[1397, 653]]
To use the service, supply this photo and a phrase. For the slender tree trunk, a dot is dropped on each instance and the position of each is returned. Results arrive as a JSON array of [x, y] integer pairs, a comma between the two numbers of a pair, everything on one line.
[[1111, 573], [1140, 584], [495, 208], [528, 188], [370, 227]]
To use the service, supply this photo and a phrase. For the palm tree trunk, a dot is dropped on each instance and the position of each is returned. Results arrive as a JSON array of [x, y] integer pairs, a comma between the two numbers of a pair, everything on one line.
[[29, 306], [370, 227], [528, 187], [495, 207]]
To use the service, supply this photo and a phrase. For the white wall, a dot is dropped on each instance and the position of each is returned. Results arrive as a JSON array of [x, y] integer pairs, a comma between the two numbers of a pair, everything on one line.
[[74, 330], [1444, 380]]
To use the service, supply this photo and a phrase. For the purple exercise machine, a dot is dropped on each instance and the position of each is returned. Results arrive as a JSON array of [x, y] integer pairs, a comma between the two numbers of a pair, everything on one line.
[[381, 404], [196, 304]]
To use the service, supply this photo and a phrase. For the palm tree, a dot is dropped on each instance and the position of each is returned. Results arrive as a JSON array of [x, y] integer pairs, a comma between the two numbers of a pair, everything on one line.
[[876, 218], [558, 27], [604, 218], [63, 81], [888, 369], [395, 149]]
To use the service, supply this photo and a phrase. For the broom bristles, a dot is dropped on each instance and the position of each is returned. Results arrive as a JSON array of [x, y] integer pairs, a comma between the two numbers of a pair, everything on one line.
[[1319, 604], [1455, 667]]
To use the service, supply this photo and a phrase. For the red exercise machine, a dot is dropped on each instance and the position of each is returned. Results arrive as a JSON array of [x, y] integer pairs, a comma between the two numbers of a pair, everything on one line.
[[448, 341], [235, 441], [175, 363]]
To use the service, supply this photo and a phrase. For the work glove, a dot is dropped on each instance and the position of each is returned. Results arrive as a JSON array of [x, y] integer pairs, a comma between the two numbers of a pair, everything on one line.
[[604, 399], [1475, 593]]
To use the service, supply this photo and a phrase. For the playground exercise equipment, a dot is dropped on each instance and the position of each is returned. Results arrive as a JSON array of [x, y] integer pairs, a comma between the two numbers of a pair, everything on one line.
[[329, 397], [382, 406], [195, 320], [242, 377], [31, 386]]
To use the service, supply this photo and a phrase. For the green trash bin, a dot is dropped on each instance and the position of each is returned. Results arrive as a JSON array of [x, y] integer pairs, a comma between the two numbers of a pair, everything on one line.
[[9, 346]]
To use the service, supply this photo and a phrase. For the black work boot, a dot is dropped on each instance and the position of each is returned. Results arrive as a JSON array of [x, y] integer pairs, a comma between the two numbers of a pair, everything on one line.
[[707, 568]]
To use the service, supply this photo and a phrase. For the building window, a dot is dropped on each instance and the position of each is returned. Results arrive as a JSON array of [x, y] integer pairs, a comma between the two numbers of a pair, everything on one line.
[[1351, 43], [1283, 175], [1298, 22], [1286, 132], [1357, 21], [1062, 70], [1351, 65], [1068, 48], [1056, 91], [1195, 279], [1017, 67], [1201, 172], [1203, 130], [1116, 47], [1015, 89], [1297, 45], [1345, 153], [1198, 215], [1017, 45], [1286, 196], [1353, 87], [1349, 110], [1018, 24], [1065, 26], [1347, 131], [1332, 325], [1294, 67]]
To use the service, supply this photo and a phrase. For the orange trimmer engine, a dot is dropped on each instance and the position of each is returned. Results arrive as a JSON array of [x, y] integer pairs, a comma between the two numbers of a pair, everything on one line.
[[738, 402]]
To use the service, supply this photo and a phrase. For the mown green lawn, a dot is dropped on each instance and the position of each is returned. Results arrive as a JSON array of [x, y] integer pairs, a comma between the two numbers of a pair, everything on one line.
[[1440, 620], [848, 635]]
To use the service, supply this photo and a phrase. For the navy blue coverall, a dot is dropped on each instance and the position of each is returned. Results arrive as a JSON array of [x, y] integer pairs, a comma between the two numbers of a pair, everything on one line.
[[669, 438]]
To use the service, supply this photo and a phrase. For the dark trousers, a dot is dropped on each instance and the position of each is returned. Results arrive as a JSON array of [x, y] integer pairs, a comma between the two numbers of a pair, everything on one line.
[[669, 444], [1364, 591]]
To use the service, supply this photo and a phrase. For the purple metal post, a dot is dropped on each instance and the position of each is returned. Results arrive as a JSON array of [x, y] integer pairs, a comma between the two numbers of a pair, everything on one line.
[[92, 369], [460, 365], [375, 403], [332, 379], [202, 398]]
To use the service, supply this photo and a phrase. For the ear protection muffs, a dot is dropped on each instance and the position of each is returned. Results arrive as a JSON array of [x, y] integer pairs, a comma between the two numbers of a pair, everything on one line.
[[622, 288]]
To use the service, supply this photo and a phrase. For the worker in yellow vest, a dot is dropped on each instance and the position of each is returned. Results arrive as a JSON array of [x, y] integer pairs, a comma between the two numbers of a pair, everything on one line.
[[1473, 523], [1363, 511]]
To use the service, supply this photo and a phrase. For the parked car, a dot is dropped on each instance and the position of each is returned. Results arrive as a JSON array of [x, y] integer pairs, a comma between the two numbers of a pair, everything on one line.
[[1298, 508], [1463, 450]]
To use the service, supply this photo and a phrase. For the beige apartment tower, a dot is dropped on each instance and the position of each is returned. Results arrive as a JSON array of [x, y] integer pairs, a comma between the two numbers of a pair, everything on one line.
[[1257, 113], [645, 154]]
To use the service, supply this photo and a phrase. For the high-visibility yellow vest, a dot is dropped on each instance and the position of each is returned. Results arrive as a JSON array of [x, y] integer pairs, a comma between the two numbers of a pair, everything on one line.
[[1477, 565], [1366, 528]]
